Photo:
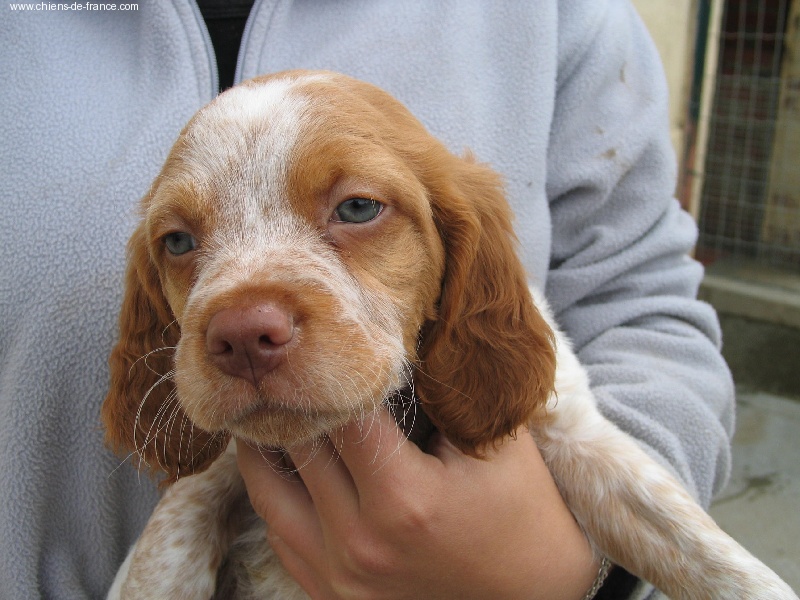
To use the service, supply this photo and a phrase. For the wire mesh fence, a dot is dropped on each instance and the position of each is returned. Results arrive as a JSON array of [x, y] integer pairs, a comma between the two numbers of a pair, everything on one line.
[[750, 201]]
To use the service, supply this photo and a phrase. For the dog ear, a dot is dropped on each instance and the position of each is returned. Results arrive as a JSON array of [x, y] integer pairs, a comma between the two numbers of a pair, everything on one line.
[[487, 363], [141, 412]]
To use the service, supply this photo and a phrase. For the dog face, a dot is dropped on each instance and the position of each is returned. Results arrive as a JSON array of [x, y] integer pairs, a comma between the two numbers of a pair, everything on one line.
[[307, 250], [299, 259]]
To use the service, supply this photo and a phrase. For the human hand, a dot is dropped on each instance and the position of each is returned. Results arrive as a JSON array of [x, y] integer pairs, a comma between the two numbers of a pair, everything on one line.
[[372, 516]]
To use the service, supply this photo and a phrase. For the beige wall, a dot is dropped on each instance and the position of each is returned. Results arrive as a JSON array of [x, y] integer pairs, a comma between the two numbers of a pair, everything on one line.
[[781, 226]]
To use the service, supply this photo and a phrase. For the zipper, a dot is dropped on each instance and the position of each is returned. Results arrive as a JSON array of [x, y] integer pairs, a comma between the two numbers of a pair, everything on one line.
[[209, 47], [248, 26]]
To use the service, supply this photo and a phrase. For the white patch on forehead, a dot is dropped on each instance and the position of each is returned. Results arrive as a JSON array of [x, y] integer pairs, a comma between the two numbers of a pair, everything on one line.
[[254, 123], [275, 103], [244, 144], [253, 101]]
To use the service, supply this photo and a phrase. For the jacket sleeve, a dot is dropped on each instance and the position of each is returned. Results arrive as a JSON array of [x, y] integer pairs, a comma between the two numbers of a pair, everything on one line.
[[621, 282]]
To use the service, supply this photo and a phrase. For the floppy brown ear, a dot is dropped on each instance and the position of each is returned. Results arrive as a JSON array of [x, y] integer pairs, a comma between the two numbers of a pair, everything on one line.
[[141, 412], [488, 361]]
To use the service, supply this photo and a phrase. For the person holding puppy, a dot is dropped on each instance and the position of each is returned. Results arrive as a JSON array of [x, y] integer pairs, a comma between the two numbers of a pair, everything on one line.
[[565, 99]]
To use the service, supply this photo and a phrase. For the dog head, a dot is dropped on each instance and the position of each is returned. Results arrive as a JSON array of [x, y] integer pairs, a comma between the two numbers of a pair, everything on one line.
[[308, 250]]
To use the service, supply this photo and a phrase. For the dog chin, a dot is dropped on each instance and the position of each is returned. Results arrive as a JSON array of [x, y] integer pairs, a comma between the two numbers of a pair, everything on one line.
[[280, 427]]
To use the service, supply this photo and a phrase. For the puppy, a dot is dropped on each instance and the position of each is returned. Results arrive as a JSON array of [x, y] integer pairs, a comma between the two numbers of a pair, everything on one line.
[[309, 252]]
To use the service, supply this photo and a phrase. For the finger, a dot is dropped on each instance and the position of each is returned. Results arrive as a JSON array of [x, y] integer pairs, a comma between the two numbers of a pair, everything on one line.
[[279, 498], [510, 457], [517, 448], [328, 482], [375, 450], [439, 446]]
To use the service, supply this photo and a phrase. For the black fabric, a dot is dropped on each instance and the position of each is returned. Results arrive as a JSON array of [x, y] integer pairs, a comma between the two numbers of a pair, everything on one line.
[[225, 21], [620, 584]]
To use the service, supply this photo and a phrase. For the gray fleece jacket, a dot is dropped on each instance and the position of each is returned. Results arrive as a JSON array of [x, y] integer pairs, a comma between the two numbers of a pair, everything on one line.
[[566, 99]]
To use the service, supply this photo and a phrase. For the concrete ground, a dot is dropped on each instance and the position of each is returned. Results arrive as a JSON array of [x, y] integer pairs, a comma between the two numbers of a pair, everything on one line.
[[760, 507], [760, 316]]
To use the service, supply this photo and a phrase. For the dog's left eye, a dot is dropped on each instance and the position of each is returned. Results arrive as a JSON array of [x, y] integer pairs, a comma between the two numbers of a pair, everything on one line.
[[358, 210], [179, 242]]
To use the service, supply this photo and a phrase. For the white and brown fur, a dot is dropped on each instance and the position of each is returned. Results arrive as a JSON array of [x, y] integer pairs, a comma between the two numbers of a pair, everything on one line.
[[428, 294]]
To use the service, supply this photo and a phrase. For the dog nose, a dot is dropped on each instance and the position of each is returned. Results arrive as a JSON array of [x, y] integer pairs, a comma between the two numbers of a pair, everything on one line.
[[249, 342]]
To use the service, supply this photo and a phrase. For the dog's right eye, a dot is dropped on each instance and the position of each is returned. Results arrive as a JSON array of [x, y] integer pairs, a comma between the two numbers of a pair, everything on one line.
[[179, 242], [358, 210]]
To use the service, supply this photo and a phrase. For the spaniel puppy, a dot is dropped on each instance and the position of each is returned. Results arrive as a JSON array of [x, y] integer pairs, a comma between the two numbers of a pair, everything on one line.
[[308, 253]]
